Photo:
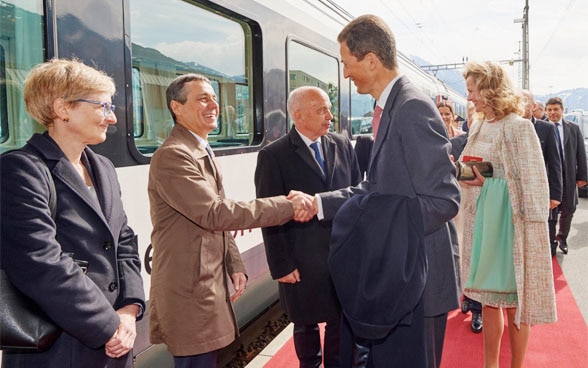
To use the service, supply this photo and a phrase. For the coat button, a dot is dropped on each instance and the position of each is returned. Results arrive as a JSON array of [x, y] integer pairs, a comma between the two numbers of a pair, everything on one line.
[[113, 286], [107, 245]]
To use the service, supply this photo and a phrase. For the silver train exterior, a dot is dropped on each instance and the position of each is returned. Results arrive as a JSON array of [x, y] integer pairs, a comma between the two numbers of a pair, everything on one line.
[[254, 51]]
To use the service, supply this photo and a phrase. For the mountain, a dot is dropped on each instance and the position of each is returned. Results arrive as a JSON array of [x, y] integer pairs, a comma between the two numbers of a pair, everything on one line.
[[572, 98]]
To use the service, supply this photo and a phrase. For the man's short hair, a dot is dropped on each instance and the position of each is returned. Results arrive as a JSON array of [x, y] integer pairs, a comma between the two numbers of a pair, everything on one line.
[[555, 101]]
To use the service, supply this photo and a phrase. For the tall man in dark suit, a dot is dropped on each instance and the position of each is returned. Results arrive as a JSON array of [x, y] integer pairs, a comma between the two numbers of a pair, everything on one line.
[[410, 158], [574, 172], [551, 154], [297, 253]]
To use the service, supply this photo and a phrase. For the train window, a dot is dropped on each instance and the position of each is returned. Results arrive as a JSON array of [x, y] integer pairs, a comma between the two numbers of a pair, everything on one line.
[[174, 37], [310, 67], [21, 23], [362, 110]]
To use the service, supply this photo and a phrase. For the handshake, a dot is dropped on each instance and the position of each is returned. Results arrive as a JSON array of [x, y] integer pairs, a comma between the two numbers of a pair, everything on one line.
[[305, 206]]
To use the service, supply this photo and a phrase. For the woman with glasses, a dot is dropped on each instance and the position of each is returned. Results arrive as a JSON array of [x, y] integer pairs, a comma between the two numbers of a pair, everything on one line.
[[42, 244]]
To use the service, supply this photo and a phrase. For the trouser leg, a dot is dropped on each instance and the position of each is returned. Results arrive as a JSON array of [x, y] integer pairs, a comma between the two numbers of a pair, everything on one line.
[[332, 343], [565, 223], [435, 337], [307, 343], [205, 360], [552, 228]]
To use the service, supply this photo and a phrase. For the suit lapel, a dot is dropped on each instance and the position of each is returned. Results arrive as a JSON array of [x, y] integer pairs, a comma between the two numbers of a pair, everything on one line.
[[329, 151], [303, 151], [567, 132], [385, 121]]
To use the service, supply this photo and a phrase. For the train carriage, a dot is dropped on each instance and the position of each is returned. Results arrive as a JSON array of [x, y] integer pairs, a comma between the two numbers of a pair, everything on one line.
[[253, 51]]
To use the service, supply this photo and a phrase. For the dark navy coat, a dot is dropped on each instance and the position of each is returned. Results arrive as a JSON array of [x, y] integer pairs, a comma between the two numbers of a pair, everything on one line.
[[93, 230]]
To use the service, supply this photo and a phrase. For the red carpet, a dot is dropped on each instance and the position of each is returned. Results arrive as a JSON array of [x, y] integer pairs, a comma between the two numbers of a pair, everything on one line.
[[561, 344]]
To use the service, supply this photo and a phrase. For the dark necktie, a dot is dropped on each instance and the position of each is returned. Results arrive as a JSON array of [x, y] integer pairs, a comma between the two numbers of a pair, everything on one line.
[[209, 151], [559, 143], [376, 120], [317, 155]]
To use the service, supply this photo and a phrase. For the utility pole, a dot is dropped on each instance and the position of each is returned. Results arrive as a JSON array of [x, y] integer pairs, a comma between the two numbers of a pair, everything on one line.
[[525, 55]]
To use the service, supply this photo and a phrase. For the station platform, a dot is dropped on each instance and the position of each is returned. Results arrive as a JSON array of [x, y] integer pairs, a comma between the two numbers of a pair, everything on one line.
[[561, 344]]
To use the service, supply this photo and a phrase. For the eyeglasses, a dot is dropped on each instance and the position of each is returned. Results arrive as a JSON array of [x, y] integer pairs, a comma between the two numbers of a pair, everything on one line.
[[107, 107]]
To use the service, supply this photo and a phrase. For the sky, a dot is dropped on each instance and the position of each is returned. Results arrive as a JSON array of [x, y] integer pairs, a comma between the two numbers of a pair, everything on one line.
[[447, 32]]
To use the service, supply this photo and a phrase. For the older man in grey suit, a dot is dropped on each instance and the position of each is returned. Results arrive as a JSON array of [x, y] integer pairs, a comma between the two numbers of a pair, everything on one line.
[[410, 157]]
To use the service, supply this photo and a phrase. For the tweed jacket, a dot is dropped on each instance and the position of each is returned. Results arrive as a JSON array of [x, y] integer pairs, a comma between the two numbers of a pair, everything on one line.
[[528, 189], [193, 251]]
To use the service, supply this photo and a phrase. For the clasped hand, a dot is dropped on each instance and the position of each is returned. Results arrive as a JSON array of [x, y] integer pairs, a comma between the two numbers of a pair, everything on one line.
[[305, 207], [124, 338]]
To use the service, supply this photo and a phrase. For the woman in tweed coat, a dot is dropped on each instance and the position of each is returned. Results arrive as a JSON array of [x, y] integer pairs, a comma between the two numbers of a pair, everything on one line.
[[522, 280]]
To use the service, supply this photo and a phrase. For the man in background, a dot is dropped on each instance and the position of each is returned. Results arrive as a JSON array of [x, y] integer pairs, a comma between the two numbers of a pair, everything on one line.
[[311, 160], [574, 172], [551, 155], [539, 111]]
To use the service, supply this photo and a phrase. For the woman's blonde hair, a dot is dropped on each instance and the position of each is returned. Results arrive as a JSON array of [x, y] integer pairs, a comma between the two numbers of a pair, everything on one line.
[[61, 78], [495, 88]]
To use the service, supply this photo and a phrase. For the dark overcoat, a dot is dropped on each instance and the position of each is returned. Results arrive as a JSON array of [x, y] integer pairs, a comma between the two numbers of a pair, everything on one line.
[[549, 146], [410, 158], [287, 164], [94, 230]]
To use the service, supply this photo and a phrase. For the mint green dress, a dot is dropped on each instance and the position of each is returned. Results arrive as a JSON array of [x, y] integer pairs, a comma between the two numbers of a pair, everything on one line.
[[492, 264], [491, 276]]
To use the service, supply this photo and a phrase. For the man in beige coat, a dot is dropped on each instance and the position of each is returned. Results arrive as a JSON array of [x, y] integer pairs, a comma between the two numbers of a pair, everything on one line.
[[190, 303]]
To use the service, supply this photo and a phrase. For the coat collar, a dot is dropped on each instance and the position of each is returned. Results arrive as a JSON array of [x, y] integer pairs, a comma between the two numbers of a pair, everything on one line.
[[62, 170], [193, 145]]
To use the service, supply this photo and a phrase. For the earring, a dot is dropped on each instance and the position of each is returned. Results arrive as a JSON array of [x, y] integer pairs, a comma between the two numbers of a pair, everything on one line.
[[65, 120]]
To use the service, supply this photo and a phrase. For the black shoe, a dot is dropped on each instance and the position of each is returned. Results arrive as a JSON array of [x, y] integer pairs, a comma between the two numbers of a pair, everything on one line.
[[554, 247], [465, 305], [563, 245], [476, 322]]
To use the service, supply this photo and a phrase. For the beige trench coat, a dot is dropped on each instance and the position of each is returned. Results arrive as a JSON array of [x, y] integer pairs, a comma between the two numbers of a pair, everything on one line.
[[193, 251], [529, 194]]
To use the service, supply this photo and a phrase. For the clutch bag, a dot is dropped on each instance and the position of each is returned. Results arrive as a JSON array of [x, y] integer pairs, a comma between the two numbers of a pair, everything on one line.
[[465, 169]]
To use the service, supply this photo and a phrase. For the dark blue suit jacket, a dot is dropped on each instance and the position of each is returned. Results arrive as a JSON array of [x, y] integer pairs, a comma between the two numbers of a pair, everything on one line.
[[378, 262], [94, 230], [548, 139], [410, 158]]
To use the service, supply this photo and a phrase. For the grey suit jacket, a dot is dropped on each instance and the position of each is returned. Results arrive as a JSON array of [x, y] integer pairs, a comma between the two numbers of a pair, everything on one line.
[[287, 164], [410, 157], [574, 166], [94, 230]]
